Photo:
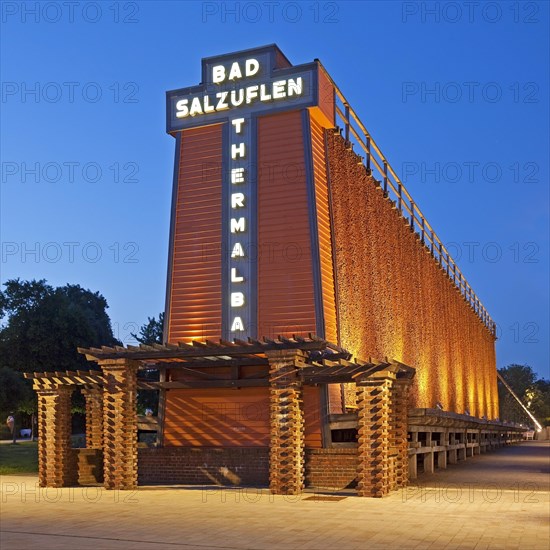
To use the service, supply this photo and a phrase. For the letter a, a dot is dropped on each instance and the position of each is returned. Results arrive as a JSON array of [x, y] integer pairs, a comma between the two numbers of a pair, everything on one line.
[[237, 325]]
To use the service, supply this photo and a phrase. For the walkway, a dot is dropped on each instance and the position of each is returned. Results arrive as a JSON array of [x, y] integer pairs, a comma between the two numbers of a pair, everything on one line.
[[500, 500]]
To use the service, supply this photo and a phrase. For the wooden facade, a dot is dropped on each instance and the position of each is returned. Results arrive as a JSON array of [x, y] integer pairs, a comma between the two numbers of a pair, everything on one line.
[[334, 256], [327, 250]]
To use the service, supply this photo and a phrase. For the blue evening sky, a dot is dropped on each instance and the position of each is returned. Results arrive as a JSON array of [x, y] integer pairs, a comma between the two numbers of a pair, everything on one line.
[[455, 94]]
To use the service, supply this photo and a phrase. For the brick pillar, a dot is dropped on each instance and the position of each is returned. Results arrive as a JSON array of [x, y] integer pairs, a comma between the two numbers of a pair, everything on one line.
[[399, 421], [56, 466], [94, 417], [286, 449], [374, 402], [119, 423]]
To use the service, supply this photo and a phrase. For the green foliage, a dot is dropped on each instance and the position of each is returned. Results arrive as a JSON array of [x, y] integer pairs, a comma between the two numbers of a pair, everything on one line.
[[46, 325], [149, 333], [14, 390], [42, 328], [152, 331], [538, 396], [534, 394]]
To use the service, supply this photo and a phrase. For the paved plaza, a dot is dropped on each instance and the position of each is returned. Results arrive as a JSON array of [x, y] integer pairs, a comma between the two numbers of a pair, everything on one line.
[[500, 500]]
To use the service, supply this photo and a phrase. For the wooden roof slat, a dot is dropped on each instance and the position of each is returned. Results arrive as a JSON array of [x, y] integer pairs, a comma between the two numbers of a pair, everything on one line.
[[208, 348], [145, 347], [198, 344], [213, 344], [243, 342]]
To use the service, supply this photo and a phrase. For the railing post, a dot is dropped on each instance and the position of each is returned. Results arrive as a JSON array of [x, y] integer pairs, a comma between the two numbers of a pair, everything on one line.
[[386, 180], [367, 138], [432, 239], [346, 113], [412, 215], [399, 196], [423, 230]]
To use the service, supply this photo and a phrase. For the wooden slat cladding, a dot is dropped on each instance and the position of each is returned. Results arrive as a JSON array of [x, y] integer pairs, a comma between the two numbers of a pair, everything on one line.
[[196, 302], [285, 278], [217, 417], [326, 97], [323, 226], [230, 418], [312, 417]]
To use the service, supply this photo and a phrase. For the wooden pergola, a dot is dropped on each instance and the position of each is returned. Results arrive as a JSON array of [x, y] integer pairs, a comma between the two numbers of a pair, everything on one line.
[[290, 364]]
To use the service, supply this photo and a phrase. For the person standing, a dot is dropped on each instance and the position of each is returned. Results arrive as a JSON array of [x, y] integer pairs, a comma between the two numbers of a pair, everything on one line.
[[10, 423]]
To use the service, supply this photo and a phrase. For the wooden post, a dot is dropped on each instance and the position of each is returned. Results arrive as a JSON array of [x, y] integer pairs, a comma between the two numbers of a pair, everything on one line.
[[56, 467], [400, 406], [429, 462], [374, 403], [120, 423], [94, 417], [286, 450], [162, 408]]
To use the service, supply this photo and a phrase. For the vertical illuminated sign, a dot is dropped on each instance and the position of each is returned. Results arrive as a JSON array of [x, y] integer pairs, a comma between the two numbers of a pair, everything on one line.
[[235, 90]]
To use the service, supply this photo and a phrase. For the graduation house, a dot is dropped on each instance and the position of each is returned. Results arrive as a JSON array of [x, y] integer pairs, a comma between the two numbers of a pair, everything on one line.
[[317, 331]]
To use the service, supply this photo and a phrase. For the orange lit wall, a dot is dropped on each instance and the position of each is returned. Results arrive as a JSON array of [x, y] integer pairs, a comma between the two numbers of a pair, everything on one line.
[[395, 301], [194, 309], [286, 302], [230, 417]]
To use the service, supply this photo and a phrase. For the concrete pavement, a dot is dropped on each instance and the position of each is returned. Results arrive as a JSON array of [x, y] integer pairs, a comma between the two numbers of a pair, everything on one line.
[[500, 500]]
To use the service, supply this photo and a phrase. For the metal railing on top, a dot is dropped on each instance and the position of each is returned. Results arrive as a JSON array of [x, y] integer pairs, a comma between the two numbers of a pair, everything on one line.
[[377, 164]]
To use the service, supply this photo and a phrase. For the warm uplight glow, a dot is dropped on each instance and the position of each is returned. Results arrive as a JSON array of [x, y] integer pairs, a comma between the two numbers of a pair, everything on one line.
[[396, 302]]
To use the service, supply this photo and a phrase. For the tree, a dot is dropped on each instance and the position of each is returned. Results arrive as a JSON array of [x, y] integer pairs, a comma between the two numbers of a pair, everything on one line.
[[538, 401], [46, 325], [150, 333], [534, 394], [42, 328]]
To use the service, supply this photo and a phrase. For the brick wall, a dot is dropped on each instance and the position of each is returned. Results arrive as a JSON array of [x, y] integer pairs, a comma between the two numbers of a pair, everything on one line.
[[325, 468], [331, 468], [204, 465]]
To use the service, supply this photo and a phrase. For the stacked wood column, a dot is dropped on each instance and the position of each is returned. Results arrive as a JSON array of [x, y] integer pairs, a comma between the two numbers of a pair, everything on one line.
[[56, 467], [286, 452], [400, 404], [120, 423], [374, 409], [94, 417]]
